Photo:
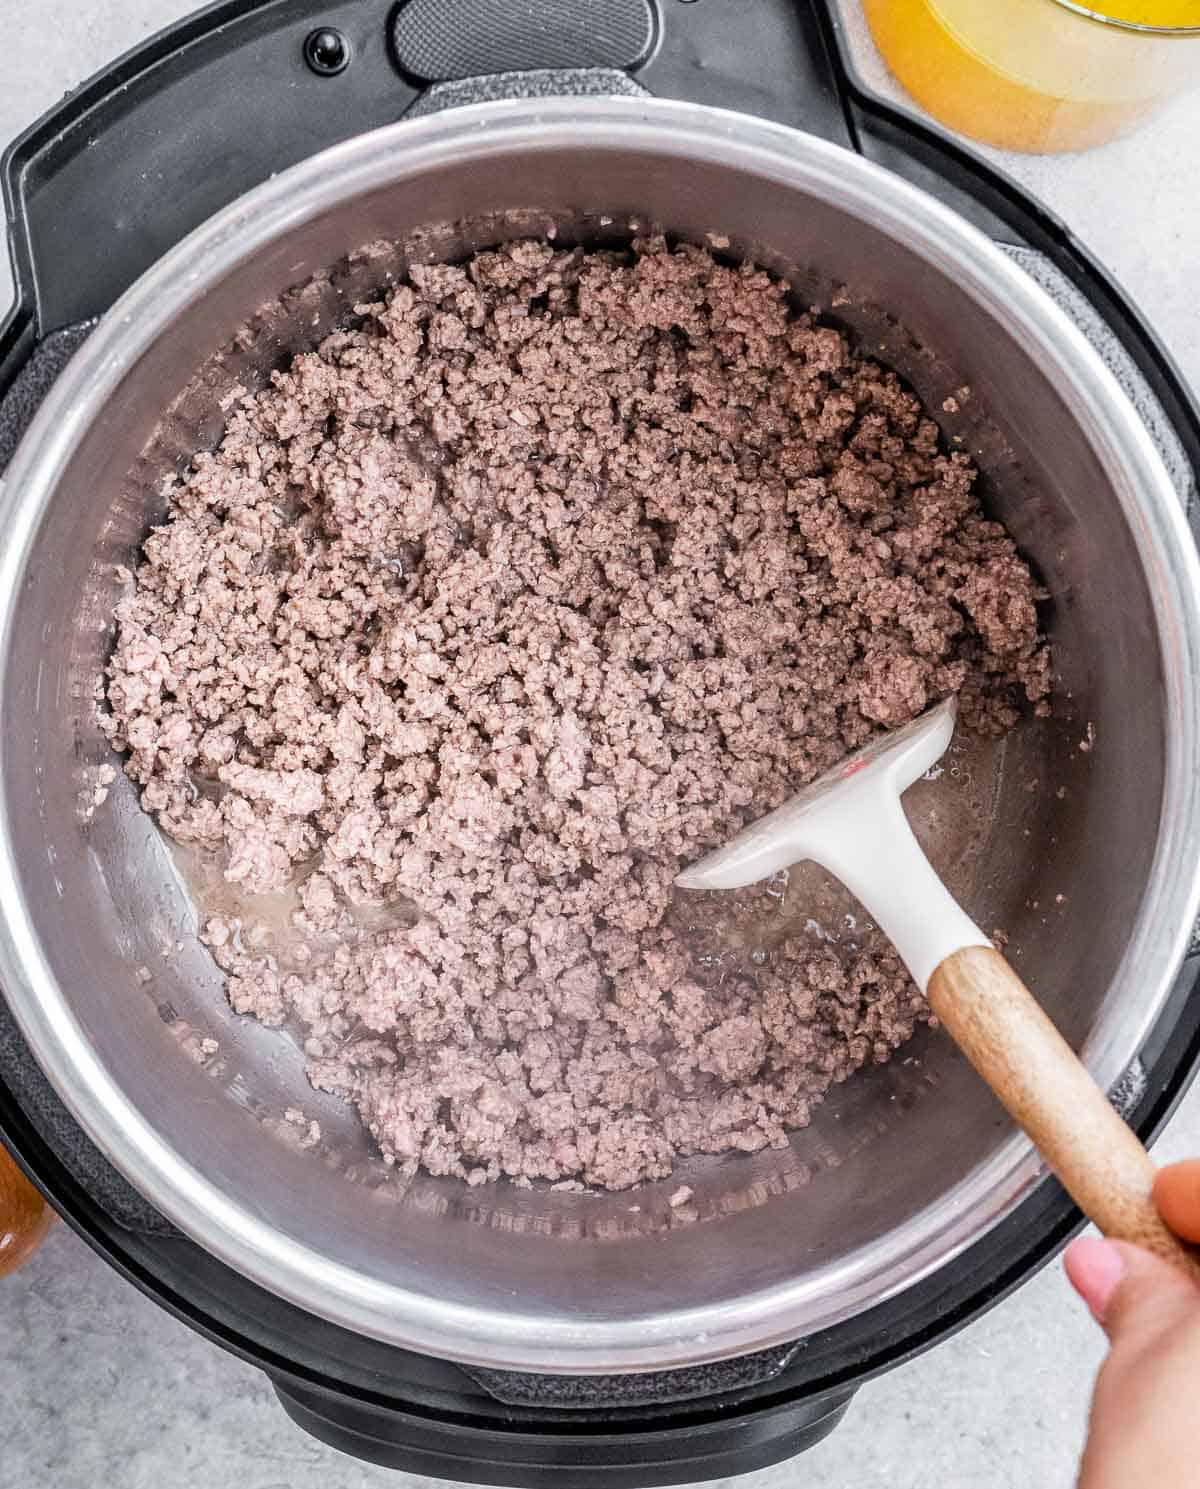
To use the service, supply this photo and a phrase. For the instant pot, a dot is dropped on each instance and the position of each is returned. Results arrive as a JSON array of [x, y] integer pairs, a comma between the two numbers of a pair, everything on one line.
[[226, 194]]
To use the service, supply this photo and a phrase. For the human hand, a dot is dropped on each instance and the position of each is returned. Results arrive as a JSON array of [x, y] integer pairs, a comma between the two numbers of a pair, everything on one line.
[[1145, 1420]]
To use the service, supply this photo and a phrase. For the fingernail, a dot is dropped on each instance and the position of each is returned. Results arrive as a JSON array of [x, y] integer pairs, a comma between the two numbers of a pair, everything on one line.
[[1095, 1267]]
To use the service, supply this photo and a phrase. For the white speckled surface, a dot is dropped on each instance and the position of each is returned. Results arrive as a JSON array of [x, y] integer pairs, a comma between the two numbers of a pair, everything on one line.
[[102, 1388]]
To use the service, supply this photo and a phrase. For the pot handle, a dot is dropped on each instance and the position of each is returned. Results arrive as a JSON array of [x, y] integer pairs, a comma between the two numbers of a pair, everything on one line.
[[25, 1217], [475, 51], [585, 1445], [436, 41]]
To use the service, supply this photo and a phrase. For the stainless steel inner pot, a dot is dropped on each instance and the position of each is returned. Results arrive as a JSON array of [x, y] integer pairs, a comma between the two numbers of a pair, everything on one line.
[[906, 1164]]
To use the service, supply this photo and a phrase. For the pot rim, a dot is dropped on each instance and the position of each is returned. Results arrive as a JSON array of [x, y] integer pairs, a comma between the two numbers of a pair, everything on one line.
[[525, 1340]]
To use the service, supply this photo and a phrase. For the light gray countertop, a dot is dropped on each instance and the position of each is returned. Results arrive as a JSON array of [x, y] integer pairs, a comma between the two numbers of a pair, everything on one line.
[[103, 1388]]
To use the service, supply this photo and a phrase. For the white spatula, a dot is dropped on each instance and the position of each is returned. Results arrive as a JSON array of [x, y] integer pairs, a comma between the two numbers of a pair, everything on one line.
[[851, 822]]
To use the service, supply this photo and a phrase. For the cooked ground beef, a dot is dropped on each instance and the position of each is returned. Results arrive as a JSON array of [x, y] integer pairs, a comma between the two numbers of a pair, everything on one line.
[[510, 602]]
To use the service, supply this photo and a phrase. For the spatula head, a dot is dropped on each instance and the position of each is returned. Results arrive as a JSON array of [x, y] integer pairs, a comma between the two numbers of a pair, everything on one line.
[[798, 829]]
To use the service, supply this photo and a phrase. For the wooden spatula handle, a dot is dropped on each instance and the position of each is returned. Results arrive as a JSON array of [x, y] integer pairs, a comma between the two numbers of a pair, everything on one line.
[[25, 1217], [994, 1019]]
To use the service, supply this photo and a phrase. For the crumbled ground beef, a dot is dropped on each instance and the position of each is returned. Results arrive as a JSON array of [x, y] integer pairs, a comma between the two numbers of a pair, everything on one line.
[[510, 602]]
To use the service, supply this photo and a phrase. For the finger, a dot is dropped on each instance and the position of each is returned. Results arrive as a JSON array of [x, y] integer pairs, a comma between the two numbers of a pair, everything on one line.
[[1094, 1268], [1151, 1298], [1177, 1195], [1129, 1292]]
